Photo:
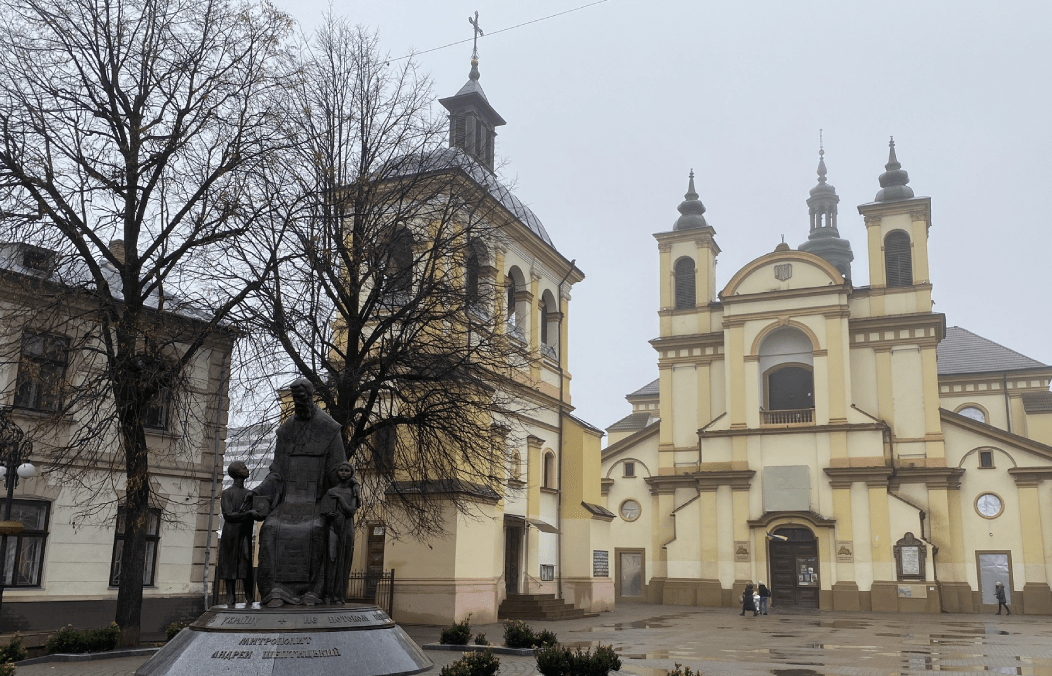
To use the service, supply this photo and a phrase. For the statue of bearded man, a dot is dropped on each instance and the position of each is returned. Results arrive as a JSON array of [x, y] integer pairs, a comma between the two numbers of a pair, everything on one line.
[[293, 541]]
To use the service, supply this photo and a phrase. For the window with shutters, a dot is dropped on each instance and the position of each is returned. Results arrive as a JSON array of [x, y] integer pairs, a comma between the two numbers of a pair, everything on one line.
[[478, 150], [898, 260], [686, 293], [471, 280]]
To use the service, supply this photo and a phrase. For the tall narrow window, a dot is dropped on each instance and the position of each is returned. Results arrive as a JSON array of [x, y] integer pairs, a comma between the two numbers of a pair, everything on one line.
[[153, 538], [384, 447], [898, 260], [25, 551], [471, 280], [686, 292], [41, 372], [511, 301], [544, 322]]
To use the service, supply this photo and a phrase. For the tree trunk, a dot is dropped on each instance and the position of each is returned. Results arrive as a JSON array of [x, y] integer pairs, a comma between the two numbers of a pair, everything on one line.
[[136, 506]]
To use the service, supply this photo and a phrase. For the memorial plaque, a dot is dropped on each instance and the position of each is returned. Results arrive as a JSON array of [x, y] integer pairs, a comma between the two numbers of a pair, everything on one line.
[[600, 563], [910, 560]]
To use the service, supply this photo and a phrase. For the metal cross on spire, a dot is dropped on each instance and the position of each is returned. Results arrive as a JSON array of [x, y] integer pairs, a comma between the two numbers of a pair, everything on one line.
[[477, 32]]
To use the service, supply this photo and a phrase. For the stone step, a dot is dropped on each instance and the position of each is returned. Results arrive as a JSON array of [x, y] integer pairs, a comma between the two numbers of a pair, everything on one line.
[[536, 607]]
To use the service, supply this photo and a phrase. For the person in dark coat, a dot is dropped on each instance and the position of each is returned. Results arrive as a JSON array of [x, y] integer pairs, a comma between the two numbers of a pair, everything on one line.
[[747, 601], [239, 524], [999, 594], [765, 594]]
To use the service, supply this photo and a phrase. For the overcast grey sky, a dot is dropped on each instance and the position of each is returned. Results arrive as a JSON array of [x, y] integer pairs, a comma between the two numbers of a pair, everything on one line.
[[609, 108]]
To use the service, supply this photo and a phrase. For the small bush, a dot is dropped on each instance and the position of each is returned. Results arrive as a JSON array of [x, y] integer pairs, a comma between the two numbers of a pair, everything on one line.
[[13, 651], [481, 640], [517, 634], [681, 670], [70, 640], [545, 638], [478, 663], [458, 633], [173, 629], [556, 660], [7, 669]]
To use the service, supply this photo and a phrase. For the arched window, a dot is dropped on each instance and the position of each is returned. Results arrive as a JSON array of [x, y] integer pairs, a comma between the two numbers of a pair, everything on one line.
[[973, 412], [898, 260], [398, 268], [511, 301], [549, 316], [686, 291], [787, 372], [549, 470]]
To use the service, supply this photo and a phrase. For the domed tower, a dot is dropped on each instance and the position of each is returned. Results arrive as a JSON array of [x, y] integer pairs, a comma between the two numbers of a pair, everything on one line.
[[824, 239]]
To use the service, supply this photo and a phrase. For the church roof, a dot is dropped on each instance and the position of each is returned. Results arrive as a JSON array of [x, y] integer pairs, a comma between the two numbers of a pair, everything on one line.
[[449, 158], [961, 351], [651, 389], [633, 421]]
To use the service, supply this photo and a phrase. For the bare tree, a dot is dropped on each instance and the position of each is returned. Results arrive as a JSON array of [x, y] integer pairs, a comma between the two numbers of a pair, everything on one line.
[[134, 137], [385, 295]]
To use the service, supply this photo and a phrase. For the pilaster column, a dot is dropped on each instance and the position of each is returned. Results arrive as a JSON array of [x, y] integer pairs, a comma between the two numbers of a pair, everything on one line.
[[837, 370], [735, 365]]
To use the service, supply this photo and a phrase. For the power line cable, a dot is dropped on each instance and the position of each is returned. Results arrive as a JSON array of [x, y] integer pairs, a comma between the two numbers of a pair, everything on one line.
[[501, 30]]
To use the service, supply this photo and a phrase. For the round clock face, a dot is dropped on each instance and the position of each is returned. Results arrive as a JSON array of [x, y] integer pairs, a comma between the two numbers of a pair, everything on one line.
[[630, 510], [989, 505]]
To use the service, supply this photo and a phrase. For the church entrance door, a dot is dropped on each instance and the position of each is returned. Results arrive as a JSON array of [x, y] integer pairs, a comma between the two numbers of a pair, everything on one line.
[[794, 568], [512, 555]]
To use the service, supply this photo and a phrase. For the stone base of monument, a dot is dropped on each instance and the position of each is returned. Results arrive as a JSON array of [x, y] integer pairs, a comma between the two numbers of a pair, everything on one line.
[[249, 640]]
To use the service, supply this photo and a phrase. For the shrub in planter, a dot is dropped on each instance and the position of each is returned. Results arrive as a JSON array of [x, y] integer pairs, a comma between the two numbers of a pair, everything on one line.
[[481, 640], [173, 629], [70, 640], [479, 663], [559, 661], [14, 651], [545, 638], [681, 670], [517, 634], [7, 669], [458, 633]]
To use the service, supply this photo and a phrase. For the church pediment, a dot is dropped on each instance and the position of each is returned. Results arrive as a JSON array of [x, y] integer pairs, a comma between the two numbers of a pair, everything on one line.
[[782, 271]]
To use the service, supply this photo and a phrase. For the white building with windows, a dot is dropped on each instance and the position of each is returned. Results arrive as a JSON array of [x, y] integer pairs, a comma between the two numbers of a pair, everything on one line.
[[64, 567]]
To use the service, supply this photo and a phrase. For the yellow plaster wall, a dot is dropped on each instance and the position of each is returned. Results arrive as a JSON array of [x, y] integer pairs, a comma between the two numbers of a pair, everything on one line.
[[684, 553], [909, 421], [863, 539], [684, 405], [581, 469]]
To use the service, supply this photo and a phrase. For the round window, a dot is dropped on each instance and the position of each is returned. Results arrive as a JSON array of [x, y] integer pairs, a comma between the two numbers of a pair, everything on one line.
[[989, 505], [630, 510]]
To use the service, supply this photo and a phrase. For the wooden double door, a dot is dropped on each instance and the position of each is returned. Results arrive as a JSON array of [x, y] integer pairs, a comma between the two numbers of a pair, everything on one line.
[[795, 572]]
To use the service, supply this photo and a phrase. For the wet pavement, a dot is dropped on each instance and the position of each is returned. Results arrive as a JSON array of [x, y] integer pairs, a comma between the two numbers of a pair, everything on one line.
[[718, 642]]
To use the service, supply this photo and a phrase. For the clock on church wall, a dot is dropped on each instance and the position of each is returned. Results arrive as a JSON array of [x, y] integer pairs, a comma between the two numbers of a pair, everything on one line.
[[989, 505]]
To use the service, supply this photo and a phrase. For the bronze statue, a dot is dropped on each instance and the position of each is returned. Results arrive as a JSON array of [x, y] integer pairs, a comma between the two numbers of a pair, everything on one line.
[[339, 505], [239, 523], [294, 538]]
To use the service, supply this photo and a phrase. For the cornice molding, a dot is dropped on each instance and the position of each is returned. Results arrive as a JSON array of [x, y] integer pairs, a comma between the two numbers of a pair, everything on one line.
[[946, 478], [768, 518], [1030, 476], [844, 477]]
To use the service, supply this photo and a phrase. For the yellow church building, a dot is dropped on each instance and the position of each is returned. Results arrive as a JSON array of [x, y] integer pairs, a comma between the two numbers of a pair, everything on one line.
[[832, 438]]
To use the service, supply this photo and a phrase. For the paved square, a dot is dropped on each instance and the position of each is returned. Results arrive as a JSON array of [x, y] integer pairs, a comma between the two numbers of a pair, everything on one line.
[[719, 642]]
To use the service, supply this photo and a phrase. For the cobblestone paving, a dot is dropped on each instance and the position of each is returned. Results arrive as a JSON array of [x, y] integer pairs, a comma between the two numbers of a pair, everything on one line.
[[719, 642]]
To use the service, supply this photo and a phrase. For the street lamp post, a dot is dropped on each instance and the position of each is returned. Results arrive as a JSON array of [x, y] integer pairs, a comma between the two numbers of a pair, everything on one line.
[[14, 464]]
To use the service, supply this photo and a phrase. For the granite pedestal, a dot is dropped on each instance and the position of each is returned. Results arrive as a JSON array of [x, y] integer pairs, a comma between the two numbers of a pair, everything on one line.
[[357, 640]]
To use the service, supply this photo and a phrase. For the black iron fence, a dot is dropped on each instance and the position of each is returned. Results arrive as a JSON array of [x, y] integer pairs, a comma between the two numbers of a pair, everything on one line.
[[373, 588], [362, 587]]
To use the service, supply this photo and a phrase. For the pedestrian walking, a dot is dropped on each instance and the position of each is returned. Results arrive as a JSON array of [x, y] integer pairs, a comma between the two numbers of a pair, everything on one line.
[[747, 601], [999, 594], [765, 594]]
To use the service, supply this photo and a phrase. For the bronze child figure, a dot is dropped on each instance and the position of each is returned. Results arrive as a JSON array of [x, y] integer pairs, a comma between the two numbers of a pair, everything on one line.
[[235, 546], [339, 505]]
